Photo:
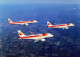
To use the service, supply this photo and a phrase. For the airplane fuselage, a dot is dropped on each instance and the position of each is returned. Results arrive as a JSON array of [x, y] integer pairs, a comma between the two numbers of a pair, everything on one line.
[[38, 36], [23, 22], [60, 26]]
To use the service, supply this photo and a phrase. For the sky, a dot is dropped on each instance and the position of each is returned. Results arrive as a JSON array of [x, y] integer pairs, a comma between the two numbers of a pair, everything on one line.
[[39, 1]]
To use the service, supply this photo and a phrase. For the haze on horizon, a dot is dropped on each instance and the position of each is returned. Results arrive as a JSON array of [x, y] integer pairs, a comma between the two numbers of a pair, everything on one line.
[[39, 1]]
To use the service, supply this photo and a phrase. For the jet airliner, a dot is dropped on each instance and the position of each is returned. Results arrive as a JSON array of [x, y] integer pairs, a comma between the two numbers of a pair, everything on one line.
[[22, 22], [35, 37], [64, 26]]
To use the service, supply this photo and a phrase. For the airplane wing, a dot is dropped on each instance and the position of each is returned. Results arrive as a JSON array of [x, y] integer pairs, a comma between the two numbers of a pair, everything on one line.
[[36, 40], [32, 33], [65, 27], [55, 24], [39, 40]]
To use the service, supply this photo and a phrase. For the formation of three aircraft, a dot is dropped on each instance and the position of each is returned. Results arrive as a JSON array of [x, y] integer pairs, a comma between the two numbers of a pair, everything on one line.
[[38, 37]]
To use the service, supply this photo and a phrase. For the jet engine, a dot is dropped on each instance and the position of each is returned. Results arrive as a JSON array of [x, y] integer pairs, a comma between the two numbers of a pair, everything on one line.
[[26, 24], [42, 39], [65, 27]]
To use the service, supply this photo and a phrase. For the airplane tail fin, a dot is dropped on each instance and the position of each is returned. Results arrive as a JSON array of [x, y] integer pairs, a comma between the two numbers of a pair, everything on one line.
[[20, 33], [48, 23], [9, 20]]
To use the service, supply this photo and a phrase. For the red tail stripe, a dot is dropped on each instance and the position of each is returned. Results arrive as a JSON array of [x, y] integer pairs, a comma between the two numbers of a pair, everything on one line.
[[20, 33], [49, 24]]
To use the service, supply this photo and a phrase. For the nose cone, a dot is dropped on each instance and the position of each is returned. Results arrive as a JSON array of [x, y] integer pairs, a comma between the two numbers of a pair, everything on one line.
[[52, 35], [35, 21], [72, 24]]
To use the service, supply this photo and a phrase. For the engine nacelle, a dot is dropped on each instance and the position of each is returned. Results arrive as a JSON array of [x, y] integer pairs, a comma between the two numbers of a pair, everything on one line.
[[26, 24], [66, 28], [42, 39]]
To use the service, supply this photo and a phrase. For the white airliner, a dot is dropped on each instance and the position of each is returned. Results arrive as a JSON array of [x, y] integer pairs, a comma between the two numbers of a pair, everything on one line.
[[64, 26], [36, 37], [22, 22]]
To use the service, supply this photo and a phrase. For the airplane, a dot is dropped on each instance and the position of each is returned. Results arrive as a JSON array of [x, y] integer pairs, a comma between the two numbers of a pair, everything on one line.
[[22, 22], [36, 37], [63, 26]]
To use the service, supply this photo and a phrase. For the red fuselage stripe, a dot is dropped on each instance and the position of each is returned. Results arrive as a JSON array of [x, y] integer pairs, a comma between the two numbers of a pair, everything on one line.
[[21, 22], [58, 25], [31, 36]]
